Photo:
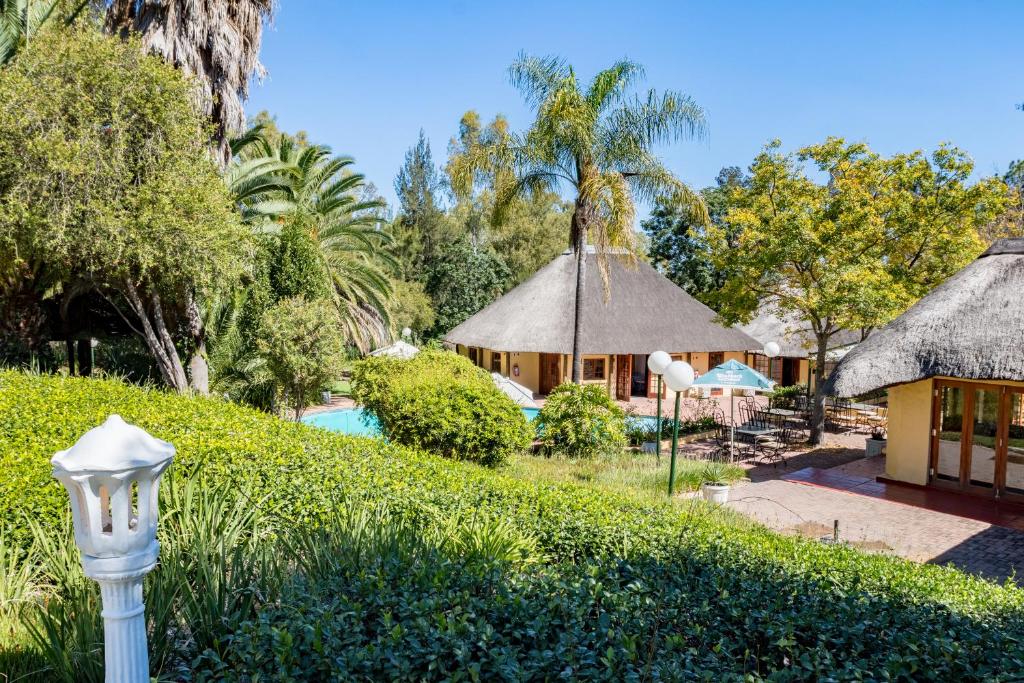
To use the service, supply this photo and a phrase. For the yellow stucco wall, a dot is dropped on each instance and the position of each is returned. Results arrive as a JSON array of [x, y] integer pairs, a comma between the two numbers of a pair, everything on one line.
[[804, 375], [910, 425], [529, 369]]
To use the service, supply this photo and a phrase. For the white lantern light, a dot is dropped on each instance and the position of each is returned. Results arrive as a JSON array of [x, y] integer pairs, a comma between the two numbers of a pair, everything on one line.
[[679, 376], [771, 349], [658, 361], [406, 332], [113, 474]]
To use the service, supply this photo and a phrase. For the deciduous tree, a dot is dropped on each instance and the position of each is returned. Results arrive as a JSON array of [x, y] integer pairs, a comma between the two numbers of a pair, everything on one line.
[[854, 251]]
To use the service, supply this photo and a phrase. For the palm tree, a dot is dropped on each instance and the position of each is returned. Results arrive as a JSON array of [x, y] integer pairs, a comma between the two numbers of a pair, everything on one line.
[[216, 41], [599, 142], [285, 181]]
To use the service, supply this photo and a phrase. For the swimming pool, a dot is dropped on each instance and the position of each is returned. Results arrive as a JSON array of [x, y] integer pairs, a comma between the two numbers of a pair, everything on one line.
[[359, 422]]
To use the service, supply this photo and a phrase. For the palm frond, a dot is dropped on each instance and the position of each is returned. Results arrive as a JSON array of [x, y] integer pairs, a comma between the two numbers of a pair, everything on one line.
[[537, 77], [611, 84]]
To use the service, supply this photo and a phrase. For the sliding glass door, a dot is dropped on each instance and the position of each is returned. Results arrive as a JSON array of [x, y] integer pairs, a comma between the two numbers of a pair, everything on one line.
[[978, 438]]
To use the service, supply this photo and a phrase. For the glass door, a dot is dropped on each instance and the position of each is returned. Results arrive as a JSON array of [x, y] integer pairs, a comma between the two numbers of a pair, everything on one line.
[[982, 437], [1013, 471], [948, 432]]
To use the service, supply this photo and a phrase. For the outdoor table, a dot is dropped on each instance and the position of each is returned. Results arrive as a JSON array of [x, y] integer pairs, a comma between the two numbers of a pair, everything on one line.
[[756, 431], [783, 412]]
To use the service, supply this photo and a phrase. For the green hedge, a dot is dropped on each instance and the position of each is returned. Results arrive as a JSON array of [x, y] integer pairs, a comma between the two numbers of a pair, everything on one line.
[[630, 590], [581, 422], [440, 402]]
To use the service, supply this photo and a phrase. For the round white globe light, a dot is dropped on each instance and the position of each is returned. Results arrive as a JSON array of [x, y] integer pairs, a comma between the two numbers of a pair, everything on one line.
[[679, 376], [406, 332], [771, 349], [658, 361]]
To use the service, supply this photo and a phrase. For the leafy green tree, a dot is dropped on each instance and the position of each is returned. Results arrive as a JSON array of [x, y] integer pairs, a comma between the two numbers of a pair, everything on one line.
[[22, 20], [464, 280], [411, 307], [852, 252], [581, 421], [302, 347], [298, 269], [1011, 222], [140, 214], [534, 228], [599, 142], [420, 229], [677, 241]]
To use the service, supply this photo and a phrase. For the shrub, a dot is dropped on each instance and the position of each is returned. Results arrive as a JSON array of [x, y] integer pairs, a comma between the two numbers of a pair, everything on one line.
[[591, 583], [581, 422], [440, 402], [786, 396], [302, 347]]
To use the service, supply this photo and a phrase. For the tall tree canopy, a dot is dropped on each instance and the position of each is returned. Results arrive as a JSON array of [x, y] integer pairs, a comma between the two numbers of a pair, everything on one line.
[[677, 240], [107, 184], [852, 252], [596, 140], [420, 229]]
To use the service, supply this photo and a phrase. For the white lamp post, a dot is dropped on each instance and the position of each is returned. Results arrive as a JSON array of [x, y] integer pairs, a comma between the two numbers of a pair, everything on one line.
[[657, 362], [678, 378], [113, 474]]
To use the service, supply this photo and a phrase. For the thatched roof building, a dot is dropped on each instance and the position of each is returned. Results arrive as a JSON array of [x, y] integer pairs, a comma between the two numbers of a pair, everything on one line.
[[969, 327], [645, 312]]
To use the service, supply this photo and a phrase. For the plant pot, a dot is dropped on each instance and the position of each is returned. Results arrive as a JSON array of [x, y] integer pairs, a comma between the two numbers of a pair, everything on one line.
[[325, 398], [715, 493], [874, 447], [649, 447]]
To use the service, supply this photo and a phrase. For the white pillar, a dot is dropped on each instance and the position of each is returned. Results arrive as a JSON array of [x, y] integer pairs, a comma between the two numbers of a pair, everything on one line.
[[112, 475]]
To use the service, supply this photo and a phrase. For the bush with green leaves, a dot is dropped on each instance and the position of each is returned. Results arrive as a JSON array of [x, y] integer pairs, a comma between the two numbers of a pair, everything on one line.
[[581, 421], [440, 402], [535, 581], [303, 348]]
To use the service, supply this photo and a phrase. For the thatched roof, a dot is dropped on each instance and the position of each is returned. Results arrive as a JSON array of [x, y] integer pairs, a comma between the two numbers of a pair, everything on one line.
[[971, 327], [794, 337], [645, 312]]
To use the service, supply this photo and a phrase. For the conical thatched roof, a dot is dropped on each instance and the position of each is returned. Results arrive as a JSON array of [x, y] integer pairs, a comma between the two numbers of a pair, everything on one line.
[[971, 327], [646, 312]]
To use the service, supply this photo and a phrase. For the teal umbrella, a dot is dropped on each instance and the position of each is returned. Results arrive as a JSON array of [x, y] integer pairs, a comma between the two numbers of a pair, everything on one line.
[[734, 375]]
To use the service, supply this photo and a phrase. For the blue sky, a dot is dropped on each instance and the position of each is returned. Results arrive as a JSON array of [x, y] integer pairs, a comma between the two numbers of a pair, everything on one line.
[[364, 78]]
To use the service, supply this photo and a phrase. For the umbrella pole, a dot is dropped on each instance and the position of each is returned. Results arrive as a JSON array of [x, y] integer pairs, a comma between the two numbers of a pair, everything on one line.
[[732, 427]]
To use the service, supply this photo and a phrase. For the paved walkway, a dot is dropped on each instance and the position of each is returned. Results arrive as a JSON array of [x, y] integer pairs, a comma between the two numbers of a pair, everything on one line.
[[799, 506]]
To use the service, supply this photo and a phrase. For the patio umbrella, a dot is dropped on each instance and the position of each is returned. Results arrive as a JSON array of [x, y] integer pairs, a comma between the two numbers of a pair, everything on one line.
[[734, 375]]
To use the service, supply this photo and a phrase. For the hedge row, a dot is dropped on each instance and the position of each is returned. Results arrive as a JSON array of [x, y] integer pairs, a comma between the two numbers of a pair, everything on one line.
[[643, 581]]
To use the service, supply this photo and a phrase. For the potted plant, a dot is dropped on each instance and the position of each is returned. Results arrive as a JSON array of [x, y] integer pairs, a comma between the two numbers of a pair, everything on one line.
[[714, 486], [875, 444]]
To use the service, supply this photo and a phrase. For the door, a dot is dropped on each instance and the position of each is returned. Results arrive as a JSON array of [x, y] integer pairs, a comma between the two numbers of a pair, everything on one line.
[[639, 380], [623, 377], [978, 438], [550, 372]]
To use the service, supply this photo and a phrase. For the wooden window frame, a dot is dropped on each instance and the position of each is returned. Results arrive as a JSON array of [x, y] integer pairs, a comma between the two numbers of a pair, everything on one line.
[[594, 378]]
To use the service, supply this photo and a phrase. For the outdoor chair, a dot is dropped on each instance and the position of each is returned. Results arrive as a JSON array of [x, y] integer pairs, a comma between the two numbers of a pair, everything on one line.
[[721, 451], [772, 448]]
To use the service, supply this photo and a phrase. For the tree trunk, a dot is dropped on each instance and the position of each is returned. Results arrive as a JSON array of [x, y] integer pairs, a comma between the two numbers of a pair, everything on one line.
[[577, 322], [818, 413], [69, 346], [198, 367], [158, 338], [85, 357]]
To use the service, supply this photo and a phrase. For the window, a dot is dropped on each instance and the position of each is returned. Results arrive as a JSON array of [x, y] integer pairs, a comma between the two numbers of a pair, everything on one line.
[[473, 351], [594, 369], [715, 359], [761, 363], [495, 362]]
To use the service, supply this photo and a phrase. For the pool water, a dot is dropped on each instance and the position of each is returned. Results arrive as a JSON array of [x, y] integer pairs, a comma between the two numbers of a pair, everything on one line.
[[359, 422]]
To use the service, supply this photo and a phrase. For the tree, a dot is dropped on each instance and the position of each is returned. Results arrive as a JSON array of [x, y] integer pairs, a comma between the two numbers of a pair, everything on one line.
[[311, 187], [465, 279], [598, 141], [678, 242], [534, 228], [302, 348], [411, 307], [420, 229], [1011, 222], [216, 41], [22, 20], [140, 213], [853, 252]]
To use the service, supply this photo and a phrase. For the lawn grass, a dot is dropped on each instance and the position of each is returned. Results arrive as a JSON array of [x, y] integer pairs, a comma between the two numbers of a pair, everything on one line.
[[629, 472]]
